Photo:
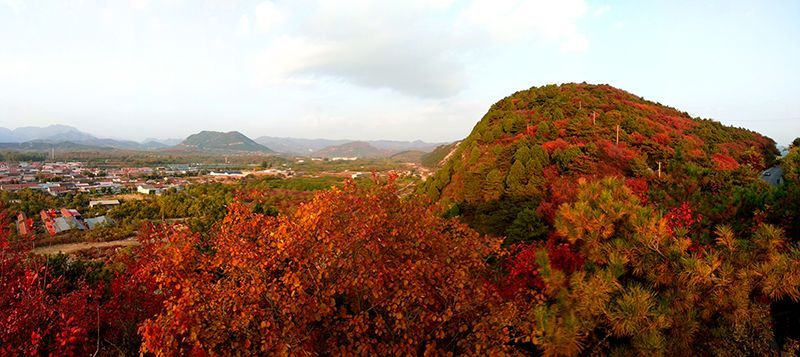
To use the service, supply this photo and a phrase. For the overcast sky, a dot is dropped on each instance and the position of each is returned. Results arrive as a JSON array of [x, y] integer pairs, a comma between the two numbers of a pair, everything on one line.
[[408, 69]]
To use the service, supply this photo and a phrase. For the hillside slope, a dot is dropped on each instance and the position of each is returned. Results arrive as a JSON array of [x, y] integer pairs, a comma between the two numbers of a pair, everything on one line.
[[531, 148], [439, 155]]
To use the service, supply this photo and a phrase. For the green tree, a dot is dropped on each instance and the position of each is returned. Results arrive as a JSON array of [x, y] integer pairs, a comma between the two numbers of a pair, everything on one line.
[[523, 153], [493, 187], [528, 226], [517, 179], [545, 130], [641, 288], [474, 154], [539, 159]]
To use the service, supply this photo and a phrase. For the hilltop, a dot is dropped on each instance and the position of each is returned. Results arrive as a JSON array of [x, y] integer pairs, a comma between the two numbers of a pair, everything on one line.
[[531, 148], [232, 141]]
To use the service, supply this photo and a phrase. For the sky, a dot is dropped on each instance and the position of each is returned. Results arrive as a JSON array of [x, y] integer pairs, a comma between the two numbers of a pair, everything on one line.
[[401, 70]]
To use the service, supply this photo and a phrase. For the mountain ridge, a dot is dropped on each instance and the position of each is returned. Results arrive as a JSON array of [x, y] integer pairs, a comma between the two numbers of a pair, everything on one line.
[[353, 149], [302, 146]]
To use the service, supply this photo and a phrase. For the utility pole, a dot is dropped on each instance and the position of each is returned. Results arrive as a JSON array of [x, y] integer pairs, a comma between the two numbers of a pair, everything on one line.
[[617, 134]]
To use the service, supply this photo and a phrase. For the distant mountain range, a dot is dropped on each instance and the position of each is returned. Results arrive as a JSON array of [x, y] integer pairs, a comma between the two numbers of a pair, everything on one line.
[[353, 149], [163, 142], [314, 146], [67, 138]]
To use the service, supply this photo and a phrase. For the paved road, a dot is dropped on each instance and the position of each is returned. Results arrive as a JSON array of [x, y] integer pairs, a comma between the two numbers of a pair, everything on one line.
[[773, 175]]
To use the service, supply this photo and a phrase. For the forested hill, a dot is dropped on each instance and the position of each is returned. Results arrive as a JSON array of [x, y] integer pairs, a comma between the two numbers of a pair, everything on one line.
[[219, 141], [531, 147]]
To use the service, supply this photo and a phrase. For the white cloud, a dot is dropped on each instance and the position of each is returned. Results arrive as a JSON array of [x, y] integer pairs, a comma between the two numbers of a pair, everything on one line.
[[512, 20], [244, 26], [602, 10], [415, 47], [16, 69], [268, 16], [14, 5], [140, 4], [287, 56]]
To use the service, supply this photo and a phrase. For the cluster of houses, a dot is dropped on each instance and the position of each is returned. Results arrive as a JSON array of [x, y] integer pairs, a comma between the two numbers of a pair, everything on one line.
[[64, 219], [58, 221], [63, 178]]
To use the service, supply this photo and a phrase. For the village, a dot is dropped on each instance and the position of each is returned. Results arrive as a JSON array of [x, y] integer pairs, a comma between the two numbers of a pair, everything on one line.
[[60, 179]]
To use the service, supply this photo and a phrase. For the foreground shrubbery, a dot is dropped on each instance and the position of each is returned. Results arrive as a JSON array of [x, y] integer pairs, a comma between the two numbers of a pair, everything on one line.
[[360, 270]]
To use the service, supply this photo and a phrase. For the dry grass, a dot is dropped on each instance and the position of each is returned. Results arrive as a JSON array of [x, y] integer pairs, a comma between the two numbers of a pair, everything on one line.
[[122, 196]]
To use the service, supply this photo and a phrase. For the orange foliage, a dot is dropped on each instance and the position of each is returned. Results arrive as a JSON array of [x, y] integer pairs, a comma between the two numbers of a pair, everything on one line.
[[356, 271], [695, 140], [662, 139], [697, 154], [637, 138]]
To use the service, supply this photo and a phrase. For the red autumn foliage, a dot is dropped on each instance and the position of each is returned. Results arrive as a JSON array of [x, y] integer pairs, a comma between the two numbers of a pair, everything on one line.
[[560, 191], [523, 271], [40, 316], [42, 313], [682, 218], [554, 145], [680, 124], [662, 139], [637, 138], [639, 187], [724, 162], [617, 154], [563, 257], [133, 297], [697, 154]]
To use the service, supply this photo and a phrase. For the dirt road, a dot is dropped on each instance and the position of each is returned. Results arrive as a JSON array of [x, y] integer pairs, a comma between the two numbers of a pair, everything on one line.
[[74, 247]]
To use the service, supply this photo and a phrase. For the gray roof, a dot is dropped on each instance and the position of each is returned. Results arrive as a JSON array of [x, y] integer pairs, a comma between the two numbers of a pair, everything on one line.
[[62, 224], [97, 221]]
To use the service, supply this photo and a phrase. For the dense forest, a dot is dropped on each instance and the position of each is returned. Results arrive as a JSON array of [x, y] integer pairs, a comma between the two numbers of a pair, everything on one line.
[[524, 158], [574, 220]]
